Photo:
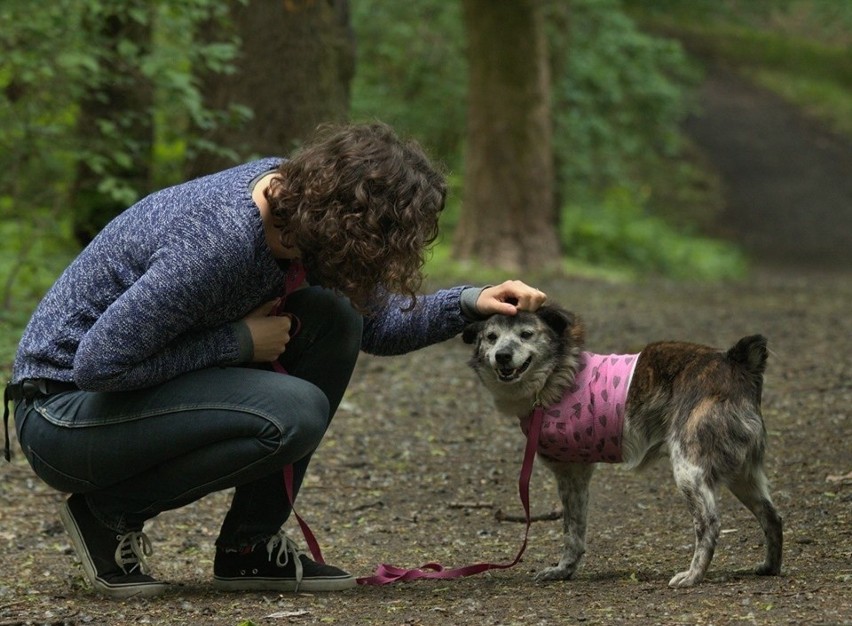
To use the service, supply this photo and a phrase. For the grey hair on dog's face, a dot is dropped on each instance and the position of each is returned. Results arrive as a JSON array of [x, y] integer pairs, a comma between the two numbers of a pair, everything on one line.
[[516, 356]]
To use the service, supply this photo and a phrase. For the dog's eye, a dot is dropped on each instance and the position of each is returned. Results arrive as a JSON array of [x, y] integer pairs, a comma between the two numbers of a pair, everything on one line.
[[491, 336], [527, 334]]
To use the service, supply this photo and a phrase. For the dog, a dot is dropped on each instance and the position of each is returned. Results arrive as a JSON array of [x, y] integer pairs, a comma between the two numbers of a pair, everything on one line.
[[700, 404]]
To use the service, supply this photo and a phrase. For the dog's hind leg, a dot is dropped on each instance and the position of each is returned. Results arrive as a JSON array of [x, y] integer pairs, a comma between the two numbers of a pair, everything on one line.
[[753, 491], [700, 494], [572, 481]]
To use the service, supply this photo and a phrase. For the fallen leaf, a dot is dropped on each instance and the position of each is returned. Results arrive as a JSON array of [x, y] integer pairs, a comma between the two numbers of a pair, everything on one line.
[[838, 478]]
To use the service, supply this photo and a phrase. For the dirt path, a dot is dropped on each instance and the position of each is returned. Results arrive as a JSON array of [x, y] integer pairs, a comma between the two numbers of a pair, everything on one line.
[[788, 181], [417, 463]]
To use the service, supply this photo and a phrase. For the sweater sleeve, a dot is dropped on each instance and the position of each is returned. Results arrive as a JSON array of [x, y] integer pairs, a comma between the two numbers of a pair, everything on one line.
[[436, 317], [152, 333]]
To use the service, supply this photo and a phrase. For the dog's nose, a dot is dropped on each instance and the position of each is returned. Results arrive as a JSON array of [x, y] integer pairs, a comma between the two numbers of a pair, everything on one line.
[[503, 358]]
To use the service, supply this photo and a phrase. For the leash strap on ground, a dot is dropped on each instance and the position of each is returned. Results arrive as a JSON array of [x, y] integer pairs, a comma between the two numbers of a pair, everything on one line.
[[387, 574]]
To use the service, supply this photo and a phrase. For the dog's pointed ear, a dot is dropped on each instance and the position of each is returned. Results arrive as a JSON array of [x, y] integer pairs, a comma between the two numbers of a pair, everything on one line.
[[560, 320], [471, 331]]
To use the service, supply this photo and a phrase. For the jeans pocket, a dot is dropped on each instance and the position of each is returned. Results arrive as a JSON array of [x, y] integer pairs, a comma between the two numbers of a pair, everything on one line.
[[61, 409]]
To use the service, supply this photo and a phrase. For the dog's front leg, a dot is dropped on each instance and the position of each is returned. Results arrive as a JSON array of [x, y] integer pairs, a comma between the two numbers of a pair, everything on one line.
[[572, 481]]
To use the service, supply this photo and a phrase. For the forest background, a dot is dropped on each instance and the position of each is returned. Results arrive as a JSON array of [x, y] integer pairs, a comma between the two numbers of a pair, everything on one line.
[[689, 159], [103, 102]]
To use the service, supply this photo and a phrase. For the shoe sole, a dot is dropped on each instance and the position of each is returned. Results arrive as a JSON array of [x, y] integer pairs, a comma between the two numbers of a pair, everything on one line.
[[110, 590], [278, 584]]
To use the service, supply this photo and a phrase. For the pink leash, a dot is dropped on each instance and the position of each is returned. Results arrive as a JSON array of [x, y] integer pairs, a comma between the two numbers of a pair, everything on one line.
[[387, 574], [294, 277]]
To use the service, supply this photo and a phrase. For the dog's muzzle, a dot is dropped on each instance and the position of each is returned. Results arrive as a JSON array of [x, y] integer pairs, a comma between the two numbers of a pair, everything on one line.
[[505, 372]]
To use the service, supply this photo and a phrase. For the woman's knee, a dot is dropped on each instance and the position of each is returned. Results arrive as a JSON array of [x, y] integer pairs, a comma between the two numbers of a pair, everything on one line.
[[326, 315], [299, 414]]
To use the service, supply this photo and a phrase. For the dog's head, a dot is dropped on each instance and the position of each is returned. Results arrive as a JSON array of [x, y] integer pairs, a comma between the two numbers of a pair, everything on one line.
[[527, 356]]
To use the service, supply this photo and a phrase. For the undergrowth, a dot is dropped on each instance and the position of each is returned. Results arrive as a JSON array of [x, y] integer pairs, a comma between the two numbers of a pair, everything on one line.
[[615, 238]]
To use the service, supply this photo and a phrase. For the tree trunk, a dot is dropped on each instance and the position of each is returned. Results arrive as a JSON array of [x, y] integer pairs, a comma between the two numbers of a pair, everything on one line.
[[508, 218], [115, 121], [294, 71]]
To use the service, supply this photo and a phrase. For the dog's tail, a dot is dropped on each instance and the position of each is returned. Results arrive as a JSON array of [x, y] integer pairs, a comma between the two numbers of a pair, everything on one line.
[[751, 354]]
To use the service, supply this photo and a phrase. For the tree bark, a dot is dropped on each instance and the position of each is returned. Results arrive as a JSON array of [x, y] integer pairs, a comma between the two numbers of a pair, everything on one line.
[[294, 71], [508, 218]]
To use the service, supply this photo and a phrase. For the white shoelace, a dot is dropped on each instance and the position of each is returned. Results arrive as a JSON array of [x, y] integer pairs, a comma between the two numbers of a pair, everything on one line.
[[131, 551], [287, 549]]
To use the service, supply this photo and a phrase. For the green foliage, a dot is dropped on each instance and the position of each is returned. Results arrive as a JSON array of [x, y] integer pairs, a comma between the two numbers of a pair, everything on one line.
[[629, 183], [32, 255], [47, 66], [46, 51], [618, 100], [412, 72], [618, 233], [36, 153], [183, 122], [610, 238], [35, 146], [618, 97], [171, 62]]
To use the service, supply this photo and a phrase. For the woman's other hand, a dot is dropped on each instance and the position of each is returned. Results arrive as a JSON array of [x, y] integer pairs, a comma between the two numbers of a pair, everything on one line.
[[269, 333]]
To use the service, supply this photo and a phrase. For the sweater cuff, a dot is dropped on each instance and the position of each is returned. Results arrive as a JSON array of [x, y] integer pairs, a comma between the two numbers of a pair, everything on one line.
[[245, 345], [468, 299]]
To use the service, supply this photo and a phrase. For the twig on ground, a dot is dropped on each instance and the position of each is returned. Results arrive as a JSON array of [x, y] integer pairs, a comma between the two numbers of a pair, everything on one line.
[[541, 517], [378, 504], [471, 505]]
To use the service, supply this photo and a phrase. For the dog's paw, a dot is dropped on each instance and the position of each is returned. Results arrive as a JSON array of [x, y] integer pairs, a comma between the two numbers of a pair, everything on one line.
[[768, 569], [554, 573], [685, 579]]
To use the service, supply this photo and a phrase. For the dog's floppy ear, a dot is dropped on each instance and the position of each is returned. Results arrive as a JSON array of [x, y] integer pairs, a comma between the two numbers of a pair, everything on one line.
[[560, 320], [471, 331]]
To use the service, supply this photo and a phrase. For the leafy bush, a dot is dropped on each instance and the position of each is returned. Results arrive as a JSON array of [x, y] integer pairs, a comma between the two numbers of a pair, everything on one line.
[[33, 254], [619, 97], [412, 71], [611, 238], [48, 65], [617, 232]]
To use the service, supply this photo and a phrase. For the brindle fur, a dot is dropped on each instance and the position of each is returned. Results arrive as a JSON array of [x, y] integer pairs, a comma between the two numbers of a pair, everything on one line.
[[699, 403]]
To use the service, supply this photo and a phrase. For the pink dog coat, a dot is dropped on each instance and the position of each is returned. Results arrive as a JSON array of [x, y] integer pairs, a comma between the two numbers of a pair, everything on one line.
[[586, 425]]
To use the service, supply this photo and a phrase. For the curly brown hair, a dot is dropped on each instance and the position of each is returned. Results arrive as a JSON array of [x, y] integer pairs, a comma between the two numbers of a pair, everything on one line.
[[362, 206]]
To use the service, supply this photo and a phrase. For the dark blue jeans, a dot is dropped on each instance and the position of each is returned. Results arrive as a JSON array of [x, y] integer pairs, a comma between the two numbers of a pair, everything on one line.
[[135, 454]]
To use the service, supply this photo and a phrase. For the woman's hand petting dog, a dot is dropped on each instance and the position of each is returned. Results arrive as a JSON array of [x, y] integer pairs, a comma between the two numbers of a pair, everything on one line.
[[508, 298]]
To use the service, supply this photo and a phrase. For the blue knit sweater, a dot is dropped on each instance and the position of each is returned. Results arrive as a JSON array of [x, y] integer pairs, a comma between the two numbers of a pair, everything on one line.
[[161, 290]]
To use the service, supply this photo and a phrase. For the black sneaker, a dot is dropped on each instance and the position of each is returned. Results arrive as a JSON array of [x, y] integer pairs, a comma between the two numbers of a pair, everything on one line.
[[279, 567], [114, 563]]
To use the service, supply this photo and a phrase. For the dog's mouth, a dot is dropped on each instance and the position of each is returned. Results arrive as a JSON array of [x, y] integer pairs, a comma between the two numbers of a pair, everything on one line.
[[511, 374]]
